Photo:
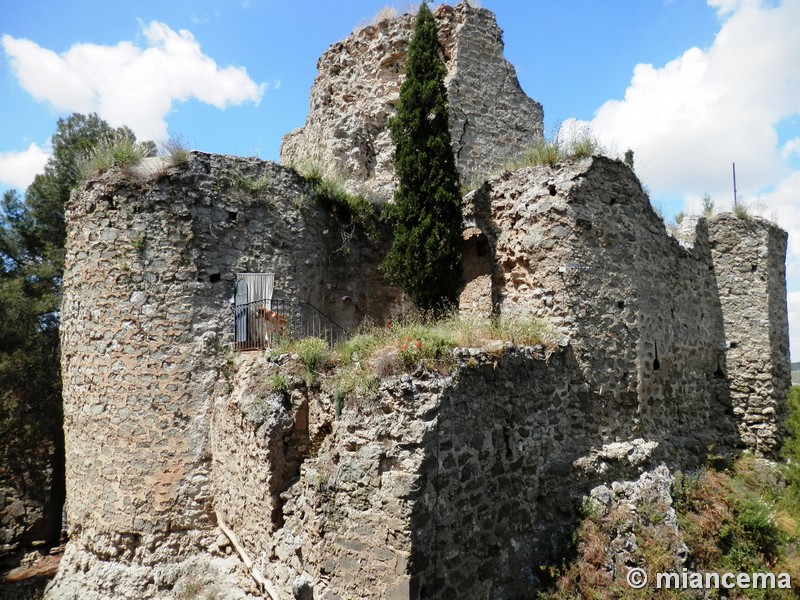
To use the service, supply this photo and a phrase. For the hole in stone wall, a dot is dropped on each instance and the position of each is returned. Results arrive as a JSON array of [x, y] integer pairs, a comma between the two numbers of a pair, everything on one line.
[[656, 362], [753, 268], [214, 277], [232, 216], [620, 305], [734, 345], [719, 373], [482, 247], [552, 189]]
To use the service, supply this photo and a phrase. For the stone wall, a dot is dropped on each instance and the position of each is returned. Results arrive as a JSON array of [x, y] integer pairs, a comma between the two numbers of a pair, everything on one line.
[[436, 486], [146, 319], [580, 245], [491, 118], [750, 261]]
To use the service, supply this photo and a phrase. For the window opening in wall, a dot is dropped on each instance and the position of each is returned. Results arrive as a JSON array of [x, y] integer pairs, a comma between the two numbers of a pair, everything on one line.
[[260, 320]]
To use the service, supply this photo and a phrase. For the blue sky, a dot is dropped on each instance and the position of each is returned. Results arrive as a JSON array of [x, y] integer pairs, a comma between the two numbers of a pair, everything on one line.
[[690, 85]]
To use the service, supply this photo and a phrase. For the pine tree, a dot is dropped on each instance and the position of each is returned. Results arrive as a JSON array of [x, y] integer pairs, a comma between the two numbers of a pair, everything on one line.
[[425, 256]]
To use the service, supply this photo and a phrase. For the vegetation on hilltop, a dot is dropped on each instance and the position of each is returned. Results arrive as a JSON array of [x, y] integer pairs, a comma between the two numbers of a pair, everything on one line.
[[741, 519]]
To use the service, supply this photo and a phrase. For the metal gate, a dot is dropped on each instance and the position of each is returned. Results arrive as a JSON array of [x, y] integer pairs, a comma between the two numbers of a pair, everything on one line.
[[240, 311]]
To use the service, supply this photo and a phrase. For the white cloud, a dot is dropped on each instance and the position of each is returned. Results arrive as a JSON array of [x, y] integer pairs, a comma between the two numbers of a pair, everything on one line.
[[794, 317], [17, 169], [790, 148], [690, 119], [783, 206], [128, 85]]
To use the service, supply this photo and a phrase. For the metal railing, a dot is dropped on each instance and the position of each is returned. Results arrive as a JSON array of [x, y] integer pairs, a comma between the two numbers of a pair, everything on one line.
[[262, 323]]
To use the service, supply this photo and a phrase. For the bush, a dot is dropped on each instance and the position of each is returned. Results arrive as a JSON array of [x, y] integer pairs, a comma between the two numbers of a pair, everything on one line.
[[278, 384], [791, 446], [313, 353]]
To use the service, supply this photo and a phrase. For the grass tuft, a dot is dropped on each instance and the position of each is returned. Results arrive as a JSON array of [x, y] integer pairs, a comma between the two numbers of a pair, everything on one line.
[[563, 144], [355, 366], [177, 152], [117, 150]]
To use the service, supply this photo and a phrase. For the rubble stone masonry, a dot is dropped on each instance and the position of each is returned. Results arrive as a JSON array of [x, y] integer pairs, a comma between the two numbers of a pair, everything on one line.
[[455, 485], [358, 83]]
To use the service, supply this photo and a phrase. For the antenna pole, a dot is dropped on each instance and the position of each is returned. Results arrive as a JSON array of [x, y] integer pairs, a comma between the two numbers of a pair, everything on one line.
[[735, 195]]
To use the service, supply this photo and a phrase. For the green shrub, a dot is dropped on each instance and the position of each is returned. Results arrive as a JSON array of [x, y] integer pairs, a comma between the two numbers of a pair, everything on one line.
[[313, 353], [278, 384], [758, 527], [708, 206], [791, 446]]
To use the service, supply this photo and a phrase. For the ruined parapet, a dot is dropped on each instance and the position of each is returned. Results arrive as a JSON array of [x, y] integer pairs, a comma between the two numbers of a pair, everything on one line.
[[491, 119], [464, 484], [456, 485], [749, 257], [147, 322], [580, 245]]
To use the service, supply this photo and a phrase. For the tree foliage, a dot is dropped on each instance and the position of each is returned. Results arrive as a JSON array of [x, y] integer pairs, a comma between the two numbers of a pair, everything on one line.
[[425, 256]]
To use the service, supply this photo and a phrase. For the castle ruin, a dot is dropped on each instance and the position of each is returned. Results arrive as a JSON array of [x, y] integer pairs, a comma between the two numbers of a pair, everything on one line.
[[437, 486]]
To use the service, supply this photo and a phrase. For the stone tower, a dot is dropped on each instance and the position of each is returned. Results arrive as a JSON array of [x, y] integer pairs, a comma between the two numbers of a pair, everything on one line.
[[491, 119]]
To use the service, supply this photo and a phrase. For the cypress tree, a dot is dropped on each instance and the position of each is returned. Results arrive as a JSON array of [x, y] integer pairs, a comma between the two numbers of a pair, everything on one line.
[[425, 256]]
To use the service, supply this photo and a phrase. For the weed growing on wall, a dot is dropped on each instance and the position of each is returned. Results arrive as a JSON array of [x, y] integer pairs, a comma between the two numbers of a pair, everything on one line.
[[177, 152], [355, 366], [560, 146], [119, 149]]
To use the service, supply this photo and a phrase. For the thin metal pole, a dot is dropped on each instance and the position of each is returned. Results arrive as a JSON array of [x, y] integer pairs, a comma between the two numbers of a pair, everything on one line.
[[735, 195]]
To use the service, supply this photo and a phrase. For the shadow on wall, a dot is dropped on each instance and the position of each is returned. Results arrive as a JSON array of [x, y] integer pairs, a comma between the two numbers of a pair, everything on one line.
[[518, 443]]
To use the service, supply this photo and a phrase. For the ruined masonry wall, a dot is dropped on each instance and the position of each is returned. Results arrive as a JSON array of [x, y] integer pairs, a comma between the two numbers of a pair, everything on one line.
[[434, 486], [358, 84], [146, 317], [750, 260], [580, 245], [395, 493]]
